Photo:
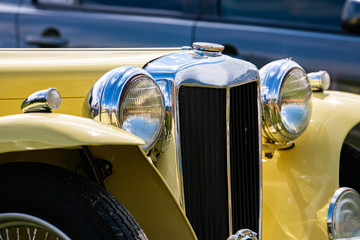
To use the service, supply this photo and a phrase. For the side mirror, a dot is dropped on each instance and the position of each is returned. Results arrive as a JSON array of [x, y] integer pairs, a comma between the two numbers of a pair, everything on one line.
[[350, 16]]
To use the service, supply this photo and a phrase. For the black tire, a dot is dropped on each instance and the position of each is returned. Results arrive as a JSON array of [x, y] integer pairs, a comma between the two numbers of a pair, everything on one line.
[[77, 207]]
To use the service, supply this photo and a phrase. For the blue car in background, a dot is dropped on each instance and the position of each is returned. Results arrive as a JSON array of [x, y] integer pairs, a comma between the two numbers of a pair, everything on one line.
[[318, 34]]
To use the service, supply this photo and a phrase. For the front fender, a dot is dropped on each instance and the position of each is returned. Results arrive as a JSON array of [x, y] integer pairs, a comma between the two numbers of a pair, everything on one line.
[[135, 182], [40, 131], [304, 178]]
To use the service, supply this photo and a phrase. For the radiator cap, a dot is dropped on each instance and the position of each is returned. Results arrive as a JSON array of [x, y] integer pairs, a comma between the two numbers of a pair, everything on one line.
[[204, 48]]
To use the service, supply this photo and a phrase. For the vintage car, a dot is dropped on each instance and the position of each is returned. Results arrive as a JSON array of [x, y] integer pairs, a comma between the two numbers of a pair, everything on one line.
[[192, 143]]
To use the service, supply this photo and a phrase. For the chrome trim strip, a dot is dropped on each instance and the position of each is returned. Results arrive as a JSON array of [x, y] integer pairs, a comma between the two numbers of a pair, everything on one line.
[[228, 159], [260, 162], [178, 148]]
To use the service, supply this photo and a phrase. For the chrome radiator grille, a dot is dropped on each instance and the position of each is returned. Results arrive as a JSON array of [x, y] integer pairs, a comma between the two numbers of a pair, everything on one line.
[[203, 139]]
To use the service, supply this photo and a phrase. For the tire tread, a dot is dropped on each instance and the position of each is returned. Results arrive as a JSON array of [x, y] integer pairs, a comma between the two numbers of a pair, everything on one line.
[[117, 221]]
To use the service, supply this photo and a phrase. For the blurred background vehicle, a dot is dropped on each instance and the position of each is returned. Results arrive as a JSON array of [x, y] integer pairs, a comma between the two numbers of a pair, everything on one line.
[[318, 34]]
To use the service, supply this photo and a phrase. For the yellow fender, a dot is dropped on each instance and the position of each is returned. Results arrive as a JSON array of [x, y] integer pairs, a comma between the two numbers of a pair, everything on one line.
[[304, 178], [38, 131], [135, 181]]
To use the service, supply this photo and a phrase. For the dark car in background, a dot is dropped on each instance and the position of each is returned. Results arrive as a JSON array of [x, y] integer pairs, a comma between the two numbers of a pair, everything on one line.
[[311, 32]]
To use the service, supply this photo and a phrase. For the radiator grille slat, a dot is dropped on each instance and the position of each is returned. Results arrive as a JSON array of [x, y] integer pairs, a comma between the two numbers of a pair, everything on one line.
[[202, 116]]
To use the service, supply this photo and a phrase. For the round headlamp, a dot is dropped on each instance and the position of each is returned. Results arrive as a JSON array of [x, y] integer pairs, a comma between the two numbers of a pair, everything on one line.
[[286, 100], [344, 215], [129, 98], [142, 109]]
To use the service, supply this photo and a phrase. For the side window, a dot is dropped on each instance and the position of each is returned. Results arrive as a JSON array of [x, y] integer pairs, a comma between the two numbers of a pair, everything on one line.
[[172, 5], [326, 13]]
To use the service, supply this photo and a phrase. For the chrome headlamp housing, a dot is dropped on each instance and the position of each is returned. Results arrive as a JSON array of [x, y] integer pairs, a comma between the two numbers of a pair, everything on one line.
[[344, 215], [286, 100], [129, 98]]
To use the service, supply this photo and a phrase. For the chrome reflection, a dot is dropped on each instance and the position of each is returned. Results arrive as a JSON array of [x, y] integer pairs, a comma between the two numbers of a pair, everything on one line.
[[343, 220], [320, 80], [166, 89], [192, 68], [209, 49], [142, 109], [286, 100], [104, 97], [105, 103], [244, 234], [42, 101]]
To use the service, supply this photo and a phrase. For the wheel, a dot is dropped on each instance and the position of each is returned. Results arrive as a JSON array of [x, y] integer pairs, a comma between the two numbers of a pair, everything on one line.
[[40, 201]]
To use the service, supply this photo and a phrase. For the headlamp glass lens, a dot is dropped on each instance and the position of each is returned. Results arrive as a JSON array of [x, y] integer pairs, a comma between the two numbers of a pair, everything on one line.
[[142, 109], [296, 106]]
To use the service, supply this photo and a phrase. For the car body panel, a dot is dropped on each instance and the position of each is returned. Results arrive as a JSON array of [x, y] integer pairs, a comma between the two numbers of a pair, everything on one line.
[[305, 177], [38, 131], [72, 73]]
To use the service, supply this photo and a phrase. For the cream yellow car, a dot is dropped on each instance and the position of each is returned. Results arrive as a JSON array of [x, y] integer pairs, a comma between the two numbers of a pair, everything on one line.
[[174, 143]]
